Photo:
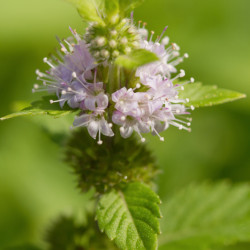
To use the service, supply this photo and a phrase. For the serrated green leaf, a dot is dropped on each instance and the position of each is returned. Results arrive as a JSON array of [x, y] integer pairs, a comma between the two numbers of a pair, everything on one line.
[[42, 107], [130, 217], [136, 58], [202, 96], [206, 216], [90, 10], [126, 6]]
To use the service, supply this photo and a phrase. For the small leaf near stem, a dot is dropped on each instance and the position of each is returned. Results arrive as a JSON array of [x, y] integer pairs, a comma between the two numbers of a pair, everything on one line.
[[136, 59], [42, 107]]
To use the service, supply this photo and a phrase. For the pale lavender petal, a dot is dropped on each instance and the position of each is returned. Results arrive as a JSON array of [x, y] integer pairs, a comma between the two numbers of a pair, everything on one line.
[[126, 132], [93, 128], [82, 120], [105, 129], [90, 103], [102, 101]]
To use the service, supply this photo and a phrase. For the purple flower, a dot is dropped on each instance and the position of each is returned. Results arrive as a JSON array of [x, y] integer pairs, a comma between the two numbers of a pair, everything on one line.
[[96, 125], [151, 107]]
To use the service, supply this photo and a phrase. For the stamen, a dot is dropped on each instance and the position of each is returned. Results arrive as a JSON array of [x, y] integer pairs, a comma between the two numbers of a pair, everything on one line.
[[139, 24], [160, 137], [71, 48], [152, 34], [132, 17], [160, 37], [74, 75], [39, 73], [59, 100], [165, 40], [182, 73], [75, 34], [45, 60]]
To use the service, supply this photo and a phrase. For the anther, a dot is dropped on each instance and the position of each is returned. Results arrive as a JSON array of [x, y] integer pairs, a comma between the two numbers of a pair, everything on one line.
[[182, 73], [74, 74], [123, 118], [143, 139], [152, 33], [175, 46], [39, 73], [99, 142], [192, 79], [162, 139], [139, 24], [165, 40]]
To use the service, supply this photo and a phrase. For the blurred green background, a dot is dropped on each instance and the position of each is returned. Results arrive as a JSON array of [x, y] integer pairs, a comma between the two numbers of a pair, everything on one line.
[[34, 183]]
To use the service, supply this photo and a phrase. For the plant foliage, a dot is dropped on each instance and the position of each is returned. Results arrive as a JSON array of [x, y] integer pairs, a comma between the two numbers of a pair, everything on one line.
[[42, 107], [204, 216], [208, 95], [130, 216]]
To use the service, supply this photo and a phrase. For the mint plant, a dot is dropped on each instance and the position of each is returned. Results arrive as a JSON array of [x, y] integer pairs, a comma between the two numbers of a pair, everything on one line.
[[121, 81]]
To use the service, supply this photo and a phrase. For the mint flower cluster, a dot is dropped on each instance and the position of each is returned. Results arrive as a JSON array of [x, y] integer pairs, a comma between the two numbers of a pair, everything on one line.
[[146, 102]]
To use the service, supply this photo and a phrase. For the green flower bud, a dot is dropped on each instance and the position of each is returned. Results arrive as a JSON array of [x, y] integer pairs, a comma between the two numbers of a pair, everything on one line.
[[116, 37]]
